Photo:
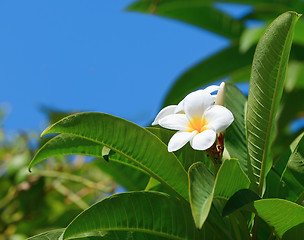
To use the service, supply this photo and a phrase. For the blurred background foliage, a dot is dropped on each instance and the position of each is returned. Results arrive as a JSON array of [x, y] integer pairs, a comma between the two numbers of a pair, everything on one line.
[[50, 198]]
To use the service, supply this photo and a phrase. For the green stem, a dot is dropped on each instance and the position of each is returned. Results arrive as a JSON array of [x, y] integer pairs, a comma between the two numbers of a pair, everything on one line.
[[255, 228], [300, 199]]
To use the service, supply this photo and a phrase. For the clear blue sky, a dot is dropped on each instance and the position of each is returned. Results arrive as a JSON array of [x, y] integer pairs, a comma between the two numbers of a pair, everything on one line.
[[91, 56]]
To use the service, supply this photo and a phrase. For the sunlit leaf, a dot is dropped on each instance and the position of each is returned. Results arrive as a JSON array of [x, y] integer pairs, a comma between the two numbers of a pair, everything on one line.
[[127, 139], [265, 91], [280, 214]]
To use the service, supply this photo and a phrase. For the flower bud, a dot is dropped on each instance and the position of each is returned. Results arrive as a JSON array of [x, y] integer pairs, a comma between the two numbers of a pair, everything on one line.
[[220, 97]]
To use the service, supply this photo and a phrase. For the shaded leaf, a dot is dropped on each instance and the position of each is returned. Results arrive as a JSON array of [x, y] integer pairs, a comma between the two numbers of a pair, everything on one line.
[[148, 212], [238, 200]]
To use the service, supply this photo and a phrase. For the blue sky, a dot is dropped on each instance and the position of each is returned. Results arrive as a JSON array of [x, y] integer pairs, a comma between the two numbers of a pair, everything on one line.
[[91, 56]]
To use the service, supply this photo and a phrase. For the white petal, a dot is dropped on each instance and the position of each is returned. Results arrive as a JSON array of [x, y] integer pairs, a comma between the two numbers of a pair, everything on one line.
[[218, 118], [203, 140], [175, 122], [211, 89], [179, 139], [220, 95], [196, 103], [180, 107], [164, 112]]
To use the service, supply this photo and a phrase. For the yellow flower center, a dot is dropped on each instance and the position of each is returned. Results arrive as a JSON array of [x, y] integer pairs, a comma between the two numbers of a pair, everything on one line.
[[199, 124]]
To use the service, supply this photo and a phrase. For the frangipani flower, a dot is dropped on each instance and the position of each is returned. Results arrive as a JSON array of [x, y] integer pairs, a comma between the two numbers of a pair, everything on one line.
[[198, 121], [172, 109]]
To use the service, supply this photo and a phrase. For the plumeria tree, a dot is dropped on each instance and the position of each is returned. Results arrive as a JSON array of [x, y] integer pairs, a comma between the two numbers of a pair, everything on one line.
[[223, 184]]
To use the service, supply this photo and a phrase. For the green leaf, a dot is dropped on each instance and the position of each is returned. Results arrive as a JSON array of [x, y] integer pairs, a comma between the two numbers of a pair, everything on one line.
[[198, 13], [230, 179], [117, 235], [230, 61], [235, 137], [148, 212], [129, 140], [280, 214], [203, 188], [293, 175], [66, 145], [51, 235], [265, 91]]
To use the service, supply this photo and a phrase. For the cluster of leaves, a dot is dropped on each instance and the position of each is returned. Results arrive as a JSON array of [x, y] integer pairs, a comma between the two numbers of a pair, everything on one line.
[[51, 196], [258, 191]]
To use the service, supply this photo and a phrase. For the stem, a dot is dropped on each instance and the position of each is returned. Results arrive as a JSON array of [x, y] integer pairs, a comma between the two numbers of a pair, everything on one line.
[[74, 178], [70, 195], [255, 228], [300, 199]]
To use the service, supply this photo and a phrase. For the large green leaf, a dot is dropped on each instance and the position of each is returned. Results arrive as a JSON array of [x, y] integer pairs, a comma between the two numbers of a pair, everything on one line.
[[227, 62], [64, 144], [235, 138], [203, 188], [129, 140], [149, 212], [198, 13], [265, 91], [280, 214]]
